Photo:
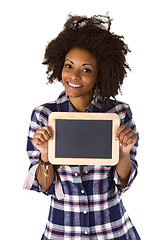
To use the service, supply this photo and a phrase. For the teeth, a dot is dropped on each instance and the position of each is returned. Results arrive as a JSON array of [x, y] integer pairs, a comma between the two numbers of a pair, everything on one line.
[[74, 85]]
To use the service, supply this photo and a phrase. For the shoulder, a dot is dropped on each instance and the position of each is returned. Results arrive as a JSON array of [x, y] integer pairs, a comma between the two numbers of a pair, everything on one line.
[[125, 114], [121, 108], [46, 108], [117, 106], [41, 113]]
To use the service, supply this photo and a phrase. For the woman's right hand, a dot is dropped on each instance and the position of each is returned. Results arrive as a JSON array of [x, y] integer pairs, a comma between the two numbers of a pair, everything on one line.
[[40, 140]]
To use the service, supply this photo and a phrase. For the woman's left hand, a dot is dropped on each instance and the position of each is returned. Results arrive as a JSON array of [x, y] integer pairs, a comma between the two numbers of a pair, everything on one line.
[[127, 138]]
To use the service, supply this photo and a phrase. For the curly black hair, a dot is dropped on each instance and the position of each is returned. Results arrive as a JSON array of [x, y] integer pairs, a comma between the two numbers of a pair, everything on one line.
[[92, 34]]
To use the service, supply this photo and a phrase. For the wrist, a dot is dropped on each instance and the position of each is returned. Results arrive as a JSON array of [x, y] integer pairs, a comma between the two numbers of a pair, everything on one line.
[[43, 157], [46, 164], [124, 155]]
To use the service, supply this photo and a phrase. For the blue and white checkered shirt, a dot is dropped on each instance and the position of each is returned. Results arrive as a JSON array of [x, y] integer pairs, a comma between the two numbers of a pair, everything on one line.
[[87, 207]]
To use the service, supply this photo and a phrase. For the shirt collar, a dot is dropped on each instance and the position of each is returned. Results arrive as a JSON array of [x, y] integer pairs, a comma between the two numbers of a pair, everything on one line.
[[64, 104]]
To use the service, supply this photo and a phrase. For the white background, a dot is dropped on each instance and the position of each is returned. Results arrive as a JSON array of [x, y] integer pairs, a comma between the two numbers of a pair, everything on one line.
[[26, 28]]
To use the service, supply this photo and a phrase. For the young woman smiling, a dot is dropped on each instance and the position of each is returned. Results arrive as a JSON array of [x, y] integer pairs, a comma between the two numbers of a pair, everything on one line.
[[85, 201]]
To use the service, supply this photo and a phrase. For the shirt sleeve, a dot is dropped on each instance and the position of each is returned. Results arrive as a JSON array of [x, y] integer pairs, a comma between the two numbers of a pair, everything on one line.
[[39, 119], [126, 119]]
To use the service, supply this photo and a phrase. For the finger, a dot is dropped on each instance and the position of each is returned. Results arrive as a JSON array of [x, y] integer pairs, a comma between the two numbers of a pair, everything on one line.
[[49, 131], [43, 134], [125, 135], [46, 134], [40, 136], [122, 132], [36, 142], [119, 130], [132, 140]]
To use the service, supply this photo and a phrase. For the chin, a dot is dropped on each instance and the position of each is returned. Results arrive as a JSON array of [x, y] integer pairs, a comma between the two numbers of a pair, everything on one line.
[[73, 95]]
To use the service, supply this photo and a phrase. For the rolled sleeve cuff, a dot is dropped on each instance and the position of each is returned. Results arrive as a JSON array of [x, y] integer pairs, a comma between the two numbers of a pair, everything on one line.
[[56, 188], [131, 178], [31, 183]]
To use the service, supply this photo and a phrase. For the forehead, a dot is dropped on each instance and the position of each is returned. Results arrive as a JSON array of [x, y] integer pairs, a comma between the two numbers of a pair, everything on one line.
[[81, 55]]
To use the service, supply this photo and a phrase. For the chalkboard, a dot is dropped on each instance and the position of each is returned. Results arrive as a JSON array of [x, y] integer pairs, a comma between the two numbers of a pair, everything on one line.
[[84, 138]]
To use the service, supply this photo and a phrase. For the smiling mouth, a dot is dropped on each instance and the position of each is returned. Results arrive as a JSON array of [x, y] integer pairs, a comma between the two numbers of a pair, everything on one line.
[[74, 85]]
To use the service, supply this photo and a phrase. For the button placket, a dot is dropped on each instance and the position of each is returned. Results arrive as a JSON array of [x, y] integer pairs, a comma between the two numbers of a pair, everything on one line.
[[82, 191]]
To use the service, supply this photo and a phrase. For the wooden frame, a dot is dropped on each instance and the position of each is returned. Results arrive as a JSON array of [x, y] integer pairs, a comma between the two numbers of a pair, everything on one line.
[[84, 116]]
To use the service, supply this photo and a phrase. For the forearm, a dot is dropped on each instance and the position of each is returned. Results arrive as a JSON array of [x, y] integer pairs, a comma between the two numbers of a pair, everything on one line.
[[45, 181], [124, 168]]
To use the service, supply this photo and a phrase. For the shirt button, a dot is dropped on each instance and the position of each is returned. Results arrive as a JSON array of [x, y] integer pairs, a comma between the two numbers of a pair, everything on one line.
[[85, 212], [82, 191], [76, 174], [86, 172], [86, 232]]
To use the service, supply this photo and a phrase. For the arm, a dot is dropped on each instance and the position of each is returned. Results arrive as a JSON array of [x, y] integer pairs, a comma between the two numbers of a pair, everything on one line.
[[40, 141], [127, 139], [45, 181]]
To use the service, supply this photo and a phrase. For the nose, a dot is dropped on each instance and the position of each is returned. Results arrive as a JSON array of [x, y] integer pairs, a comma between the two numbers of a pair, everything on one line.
[[75, 75]]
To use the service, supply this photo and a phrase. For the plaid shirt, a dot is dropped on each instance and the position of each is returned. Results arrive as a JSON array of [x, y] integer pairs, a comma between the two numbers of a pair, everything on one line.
[[87, 207]]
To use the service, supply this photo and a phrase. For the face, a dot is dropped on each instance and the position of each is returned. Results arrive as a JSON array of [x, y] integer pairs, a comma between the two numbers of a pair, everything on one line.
[[79, 73]]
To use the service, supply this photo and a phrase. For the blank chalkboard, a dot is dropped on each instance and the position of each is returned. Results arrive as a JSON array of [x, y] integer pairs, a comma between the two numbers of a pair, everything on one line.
[[84, 138]]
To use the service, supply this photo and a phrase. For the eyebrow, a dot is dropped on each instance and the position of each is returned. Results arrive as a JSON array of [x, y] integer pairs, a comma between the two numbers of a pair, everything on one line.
[[84, 64]]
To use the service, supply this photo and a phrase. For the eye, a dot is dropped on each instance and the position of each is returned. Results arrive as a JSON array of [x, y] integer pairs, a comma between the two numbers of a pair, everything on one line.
[[86, 70], [68, 65]]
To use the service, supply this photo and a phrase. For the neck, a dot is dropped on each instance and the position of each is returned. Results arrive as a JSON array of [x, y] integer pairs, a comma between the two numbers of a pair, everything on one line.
[[81, 103]]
